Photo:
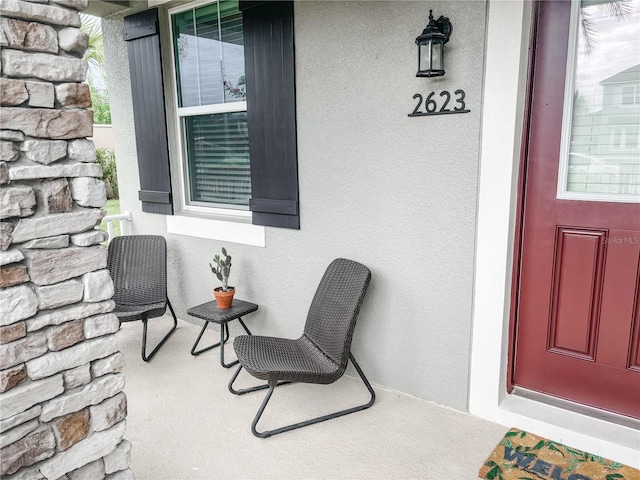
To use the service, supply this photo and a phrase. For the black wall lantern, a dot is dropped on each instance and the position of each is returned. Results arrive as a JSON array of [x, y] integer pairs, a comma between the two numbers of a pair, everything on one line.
[[431, 47]]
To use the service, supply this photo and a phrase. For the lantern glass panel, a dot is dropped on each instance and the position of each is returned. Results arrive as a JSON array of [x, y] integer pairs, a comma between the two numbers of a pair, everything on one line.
[[437, 57], [425, 55], [431, 61]]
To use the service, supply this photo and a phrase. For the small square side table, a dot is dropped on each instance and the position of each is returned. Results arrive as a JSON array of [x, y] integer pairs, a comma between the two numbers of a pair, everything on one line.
[[210, 313]]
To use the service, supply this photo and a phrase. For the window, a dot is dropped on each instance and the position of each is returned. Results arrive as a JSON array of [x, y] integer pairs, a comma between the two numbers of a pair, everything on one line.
[[631, 95], [208, 54], [216, 128]]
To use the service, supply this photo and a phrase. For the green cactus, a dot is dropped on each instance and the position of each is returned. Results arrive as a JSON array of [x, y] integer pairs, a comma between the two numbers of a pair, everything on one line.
[[222, 268]]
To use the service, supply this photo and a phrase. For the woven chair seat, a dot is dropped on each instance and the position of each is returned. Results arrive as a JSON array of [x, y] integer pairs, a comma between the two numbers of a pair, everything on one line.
[[280, 359], [128, 313]]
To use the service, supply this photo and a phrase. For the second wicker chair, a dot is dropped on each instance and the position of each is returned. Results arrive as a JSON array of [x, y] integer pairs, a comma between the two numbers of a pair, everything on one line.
[[138, 267], [321, 354]]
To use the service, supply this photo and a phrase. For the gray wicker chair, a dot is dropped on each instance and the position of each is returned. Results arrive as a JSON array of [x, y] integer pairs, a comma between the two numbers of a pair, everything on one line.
[[138, 267], [321, 354]]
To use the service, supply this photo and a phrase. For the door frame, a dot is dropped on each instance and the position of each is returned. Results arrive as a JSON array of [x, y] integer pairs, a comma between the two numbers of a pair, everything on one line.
[[506, 80]]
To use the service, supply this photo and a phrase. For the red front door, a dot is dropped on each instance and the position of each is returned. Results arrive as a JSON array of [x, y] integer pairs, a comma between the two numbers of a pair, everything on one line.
[[578, 313]]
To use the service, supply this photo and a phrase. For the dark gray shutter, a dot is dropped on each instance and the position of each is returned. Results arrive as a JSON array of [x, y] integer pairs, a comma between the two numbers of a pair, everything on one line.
[[145, 66], [271, 112]]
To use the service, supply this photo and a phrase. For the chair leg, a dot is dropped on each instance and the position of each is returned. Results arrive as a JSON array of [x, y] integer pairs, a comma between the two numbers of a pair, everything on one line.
[[146, 357], [271, 387], [242, 391]]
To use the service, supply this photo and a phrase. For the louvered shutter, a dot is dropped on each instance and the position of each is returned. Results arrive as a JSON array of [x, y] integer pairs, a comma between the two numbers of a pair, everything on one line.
[[271, 112], [143, 43]]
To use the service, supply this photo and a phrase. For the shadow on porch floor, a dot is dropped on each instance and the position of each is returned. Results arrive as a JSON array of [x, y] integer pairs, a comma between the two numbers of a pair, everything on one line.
[[184, 424]]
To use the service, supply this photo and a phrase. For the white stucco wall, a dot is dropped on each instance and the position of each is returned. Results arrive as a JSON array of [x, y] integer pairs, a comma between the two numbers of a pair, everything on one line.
[[395, 193]]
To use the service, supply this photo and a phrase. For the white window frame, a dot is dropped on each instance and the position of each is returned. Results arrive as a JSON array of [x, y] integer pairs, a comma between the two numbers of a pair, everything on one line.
[[567, 121], [183, 112]]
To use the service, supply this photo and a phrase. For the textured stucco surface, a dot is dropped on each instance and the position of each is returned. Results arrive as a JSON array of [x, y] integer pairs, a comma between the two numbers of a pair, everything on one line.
[[396, 193]]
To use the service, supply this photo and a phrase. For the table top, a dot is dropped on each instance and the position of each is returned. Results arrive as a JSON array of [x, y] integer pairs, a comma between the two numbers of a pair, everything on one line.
[[211, 313]]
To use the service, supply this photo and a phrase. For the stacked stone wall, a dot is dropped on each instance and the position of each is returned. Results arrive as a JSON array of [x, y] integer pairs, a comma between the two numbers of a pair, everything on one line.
[[62, 405]]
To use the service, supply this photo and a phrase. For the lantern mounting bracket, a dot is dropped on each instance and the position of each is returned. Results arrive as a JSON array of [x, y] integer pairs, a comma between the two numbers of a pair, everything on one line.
[[440, 26]]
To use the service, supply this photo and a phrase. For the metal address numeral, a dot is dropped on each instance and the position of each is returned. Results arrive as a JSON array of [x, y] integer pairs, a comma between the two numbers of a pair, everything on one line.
[[460, 100], [415, 110], [431, 106], [444, 105]]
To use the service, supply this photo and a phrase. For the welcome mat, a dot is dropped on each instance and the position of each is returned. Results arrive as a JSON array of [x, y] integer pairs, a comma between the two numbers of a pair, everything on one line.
[[524, 456]]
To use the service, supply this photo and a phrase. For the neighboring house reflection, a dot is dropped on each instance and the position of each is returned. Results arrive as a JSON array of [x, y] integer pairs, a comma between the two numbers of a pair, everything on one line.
[[605, 144]]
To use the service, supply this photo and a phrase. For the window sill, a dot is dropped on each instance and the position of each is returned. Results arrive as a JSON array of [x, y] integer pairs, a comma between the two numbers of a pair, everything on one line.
[[235, 229]]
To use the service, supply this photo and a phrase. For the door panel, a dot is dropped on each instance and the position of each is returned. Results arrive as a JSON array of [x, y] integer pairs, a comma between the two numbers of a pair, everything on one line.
[[577, 289], [577, 324], [620, 298]]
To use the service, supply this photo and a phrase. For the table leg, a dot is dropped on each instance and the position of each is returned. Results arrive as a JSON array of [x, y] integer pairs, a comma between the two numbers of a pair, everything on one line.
[[225, 365], [244, 326], [229, 365], [206, 349]]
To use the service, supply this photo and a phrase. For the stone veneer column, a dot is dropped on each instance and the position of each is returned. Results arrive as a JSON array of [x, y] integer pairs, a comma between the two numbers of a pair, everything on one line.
[[62, 405]]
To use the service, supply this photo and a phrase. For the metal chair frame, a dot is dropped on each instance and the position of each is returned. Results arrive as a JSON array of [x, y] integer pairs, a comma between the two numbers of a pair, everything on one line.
[[271, 386], [146, 357]]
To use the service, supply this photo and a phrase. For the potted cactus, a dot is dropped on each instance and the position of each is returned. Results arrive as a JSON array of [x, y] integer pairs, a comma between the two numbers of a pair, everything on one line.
[[221, 267]]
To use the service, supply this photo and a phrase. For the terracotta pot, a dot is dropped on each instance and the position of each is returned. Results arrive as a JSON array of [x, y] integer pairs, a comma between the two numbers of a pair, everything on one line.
[[224, 299]]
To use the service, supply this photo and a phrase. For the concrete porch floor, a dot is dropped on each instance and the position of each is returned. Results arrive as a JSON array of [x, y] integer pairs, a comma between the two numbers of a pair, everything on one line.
[[184, 424]]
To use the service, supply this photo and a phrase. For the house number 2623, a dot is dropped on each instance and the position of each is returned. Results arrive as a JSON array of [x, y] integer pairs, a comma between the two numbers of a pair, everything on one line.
[[442, 104]]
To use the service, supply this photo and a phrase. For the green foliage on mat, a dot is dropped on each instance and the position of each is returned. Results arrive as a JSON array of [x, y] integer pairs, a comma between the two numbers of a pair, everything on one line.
[[107, 159], [527, 462]]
